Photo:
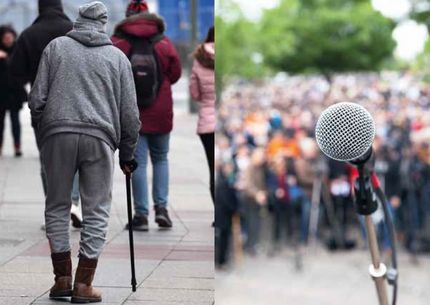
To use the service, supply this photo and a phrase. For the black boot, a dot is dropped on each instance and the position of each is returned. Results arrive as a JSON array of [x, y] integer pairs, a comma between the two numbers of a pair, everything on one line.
[[140, 223], [162, 217]]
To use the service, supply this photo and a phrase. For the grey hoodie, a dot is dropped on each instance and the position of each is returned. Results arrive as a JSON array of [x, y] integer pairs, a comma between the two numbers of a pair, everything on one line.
[[85, 85]]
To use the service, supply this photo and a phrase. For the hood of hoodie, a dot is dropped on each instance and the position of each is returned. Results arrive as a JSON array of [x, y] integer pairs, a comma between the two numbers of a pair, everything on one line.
[[141, 25], [51, 13], [47, 5], [90, 27], [205, 55], [90, 34]]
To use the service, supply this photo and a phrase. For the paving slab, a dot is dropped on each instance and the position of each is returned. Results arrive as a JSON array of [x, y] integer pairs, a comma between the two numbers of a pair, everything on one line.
[[183, 296], [181, 283], [15, 300]]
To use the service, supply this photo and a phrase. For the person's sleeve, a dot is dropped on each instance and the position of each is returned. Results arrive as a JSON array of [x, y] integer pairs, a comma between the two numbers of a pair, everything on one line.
[[194, 84], [18, 63], [175, 68], [129, 114], [40, 91]]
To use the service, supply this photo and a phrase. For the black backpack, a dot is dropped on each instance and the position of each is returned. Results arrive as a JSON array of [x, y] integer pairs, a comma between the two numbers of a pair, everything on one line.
[[146, 67]]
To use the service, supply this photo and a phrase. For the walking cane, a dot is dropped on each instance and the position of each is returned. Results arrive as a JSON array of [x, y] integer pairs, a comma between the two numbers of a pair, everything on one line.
[[130, 232]]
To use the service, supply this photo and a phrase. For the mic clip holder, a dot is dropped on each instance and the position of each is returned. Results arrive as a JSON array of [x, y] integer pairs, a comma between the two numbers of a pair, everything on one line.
[[365, 198]]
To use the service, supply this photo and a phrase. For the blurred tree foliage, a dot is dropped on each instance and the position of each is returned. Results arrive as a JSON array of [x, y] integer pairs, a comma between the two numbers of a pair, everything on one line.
[[421, 64], [326, 36], [300, 36], [420, 11], [237, 41]]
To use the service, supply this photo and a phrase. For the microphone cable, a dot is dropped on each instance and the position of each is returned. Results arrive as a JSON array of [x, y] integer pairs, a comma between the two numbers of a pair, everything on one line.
[[392, 274]]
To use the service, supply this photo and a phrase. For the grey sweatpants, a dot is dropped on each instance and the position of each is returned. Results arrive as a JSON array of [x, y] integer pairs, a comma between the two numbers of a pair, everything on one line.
[[63, 155]]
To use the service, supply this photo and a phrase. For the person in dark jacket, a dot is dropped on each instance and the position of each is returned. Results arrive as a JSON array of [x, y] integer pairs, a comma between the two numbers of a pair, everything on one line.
[[50, 24], [156, 119], [226, 206], [413, 176], [12, 94]]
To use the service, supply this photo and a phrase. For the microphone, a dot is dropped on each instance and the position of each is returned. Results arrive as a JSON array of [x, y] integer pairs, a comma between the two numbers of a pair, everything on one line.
[[345, 132]]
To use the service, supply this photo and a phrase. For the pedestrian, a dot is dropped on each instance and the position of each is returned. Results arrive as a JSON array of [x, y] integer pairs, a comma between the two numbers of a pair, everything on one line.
[[255, 198], [12, 94], [83, 104], [277, 181], [305, 167], [202, 89], [50, 24], [141, 37], [227, 205]]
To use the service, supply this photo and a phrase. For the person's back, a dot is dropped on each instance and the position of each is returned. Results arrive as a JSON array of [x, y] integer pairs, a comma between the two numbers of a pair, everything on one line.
[[85, 89], [50, 24], [142, 25]]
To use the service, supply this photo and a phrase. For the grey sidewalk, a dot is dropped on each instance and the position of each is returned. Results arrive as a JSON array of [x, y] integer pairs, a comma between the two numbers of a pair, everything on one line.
[[173, 267]]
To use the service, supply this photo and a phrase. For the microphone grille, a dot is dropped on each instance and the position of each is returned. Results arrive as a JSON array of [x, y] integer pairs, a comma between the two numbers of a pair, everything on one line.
[[345, 131]]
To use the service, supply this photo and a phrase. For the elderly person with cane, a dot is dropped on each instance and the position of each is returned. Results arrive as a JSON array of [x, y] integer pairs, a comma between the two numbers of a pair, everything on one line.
[[83, 103]]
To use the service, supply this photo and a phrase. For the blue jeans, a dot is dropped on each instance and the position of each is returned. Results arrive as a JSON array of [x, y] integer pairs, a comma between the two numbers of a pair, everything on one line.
[[157, 146]]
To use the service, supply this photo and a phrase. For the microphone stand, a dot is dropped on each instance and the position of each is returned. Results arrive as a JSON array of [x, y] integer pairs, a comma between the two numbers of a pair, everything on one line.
[[366, 205]]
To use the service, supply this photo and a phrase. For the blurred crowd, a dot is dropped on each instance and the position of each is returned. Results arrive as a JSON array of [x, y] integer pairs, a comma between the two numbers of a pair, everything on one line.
[[269, 166]]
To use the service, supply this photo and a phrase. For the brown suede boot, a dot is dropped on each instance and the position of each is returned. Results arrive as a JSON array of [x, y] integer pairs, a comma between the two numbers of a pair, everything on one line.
[[83, 292], [62, 264]]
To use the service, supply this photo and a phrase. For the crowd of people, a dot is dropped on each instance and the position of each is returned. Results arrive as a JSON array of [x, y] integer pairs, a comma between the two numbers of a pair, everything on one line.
[[269, 167]]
